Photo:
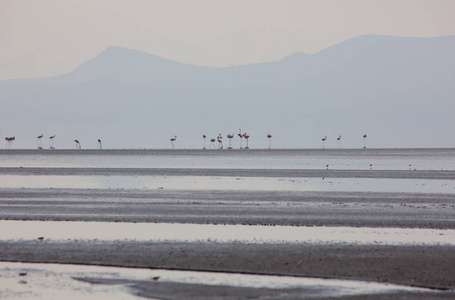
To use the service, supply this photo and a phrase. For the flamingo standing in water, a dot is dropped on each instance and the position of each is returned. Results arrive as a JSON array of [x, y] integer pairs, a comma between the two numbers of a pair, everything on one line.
[[220, 141], [38, 141], [241, 135], [230, 136], [269, 136], [246, 136], [9, 141], [204, 137], [365, 140], [51, 142], [339, 141], [99, 142], [212, 143], [323, 142], [78, 145], [173, 140]]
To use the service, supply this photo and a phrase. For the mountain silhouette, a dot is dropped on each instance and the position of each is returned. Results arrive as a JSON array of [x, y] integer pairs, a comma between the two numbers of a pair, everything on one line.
[[399, 90]]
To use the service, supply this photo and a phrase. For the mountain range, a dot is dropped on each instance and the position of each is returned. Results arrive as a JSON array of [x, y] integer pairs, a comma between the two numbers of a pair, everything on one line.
[[398, 90]]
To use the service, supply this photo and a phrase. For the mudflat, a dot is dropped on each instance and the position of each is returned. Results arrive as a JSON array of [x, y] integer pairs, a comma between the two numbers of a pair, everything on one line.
[[279, 197]]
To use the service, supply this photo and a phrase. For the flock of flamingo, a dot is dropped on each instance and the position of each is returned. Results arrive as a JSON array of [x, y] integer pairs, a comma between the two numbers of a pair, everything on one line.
[[241, 135], [219, 139]]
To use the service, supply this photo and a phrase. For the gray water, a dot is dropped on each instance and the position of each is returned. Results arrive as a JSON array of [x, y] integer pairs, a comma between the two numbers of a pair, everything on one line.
[[52, 281], [354, 159]]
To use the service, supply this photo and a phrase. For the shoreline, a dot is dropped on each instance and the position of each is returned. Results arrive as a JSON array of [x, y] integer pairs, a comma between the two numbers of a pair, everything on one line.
[[393, 264], [135, 151], [254, 187]]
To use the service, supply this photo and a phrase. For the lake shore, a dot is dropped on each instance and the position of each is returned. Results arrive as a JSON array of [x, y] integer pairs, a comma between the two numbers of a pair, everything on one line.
[[371, 189], [418, 266]]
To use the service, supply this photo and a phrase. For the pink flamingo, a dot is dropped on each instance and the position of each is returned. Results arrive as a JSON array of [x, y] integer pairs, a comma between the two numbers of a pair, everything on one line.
[[269, 136], [365, 140], [9, 141], [246, 136], [220, 141], [51, 142], [230, 136], [38, 141], [212, 143], [323, 142], [101, 146], [204, 137], [173, 140], [241, 135], [339, 141]]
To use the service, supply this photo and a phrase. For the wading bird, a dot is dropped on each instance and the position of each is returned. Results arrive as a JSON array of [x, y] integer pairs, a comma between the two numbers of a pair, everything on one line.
[[51, 142], [9, 141], [173, 140], [220, 141], [38, 140], [230, 136], [212, 143], [269, 136], [241, 135], [204, 137], [246, 136], [99, 142], [323, 142], [78, 145], [339, 141], [365, 140]]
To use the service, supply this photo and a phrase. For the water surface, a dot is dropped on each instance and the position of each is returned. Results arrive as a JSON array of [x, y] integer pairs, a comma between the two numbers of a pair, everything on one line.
[[355, 159]]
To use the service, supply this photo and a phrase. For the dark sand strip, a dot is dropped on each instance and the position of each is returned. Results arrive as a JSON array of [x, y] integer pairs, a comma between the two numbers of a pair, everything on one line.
[[409, 265], [231, 207]]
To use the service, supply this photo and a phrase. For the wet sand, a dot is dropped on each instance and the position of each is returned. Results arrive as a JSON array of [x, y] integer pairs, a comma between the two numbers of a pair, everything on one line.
[[231, 207], [419, 266], [327, 173], [415, 265]]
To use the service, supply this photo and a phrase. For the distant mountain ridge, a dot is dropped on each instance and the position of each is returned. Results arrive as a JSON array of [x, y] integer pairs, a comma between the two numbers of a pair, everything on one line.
[[399, 90]]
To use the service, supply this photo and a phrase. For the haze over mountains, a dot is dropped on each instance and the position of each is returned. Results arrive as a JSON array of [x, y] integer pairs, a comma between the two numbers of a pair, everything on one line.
[[400, 91]]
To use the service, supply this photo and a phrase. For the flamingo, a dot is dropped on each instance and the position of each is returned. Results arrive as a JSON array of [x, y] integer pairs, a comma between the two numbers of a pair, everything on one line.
[[9, 141], [204, 137], [365, 140], [38, 140], [173, 140], [212, 143], [230, 136], [339, 141], [78, 145], [323, 142], [220, 141], [269, 136], [51, 142], [241, 135], [246, 136], [101, 146]]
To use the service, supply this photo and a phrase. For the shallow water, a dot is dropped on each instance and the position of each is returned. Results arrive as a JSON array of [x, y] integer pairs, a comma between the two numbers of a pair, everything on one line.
[[51, 281], [355, 159], [150, 232], [55, 282], [229, 183]]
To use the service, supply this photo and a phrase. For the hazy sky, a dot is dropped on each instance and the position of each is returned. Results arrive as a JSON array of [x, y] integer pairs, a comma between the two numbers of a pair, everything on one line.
[[50, 37]]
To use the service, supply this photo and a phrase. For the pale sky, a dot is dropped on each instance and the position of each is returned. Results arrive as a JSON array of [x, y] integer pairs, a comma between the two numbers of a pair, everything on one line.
[[51, 37]]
